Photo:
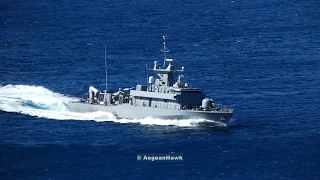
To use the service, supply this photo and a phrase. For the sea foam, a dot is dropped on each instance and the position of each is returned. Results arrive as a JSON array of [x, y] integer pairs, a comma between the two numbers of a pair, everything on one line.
[[39, 101]]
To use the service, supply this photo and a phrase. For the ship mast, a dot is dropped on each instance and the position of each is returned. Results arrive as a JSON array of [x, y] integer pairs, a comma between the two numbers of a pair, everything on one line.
[[164, 50]]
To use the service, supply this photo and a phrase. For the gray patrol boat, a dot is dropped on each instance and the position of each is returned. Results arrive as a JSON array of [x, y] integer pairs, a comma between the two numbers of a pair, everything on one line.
[[160, 98]]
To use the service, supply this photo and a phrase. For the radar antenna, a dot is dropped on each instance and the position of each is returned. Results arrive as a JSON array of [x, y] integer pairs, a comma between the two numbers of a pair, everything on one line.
[[164, 50]]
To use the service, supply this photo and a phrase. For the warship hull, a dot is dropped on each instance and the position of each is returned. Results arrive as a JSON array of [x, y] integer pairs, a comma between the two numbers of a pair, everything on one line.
[[137, 112]]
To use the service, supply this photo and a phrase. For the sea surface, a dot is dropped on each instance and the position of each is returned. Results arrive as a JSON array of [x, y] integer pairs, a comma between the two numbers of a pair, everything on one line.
[[260, 58]]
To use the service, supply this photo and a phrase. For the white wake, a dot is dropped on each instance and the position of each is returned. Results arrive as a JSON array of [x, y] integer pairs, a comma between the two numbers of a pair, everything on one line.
[[38, 101]]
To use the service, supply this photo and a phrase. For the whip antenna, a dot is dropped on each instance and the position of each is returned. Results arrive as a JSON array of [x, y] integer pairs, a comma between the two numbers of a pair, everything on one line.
[[105, 64]]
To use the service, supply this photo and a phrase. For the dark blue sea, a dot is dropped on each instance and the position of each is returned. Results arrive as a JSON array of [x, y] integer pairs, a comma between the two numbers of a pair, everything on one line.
[[260, 58]]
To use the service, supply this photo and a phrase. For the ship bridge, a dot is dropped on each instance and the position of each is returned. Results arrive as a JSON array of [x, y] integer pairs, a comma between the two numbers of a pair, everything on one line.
[[165, 80], [164, 90]]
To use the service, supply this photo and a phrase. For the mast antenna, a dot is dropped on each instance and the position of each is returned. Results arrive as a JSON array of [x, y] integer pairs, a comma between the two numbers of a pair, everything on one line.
[[105, 64], [164, 50]]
